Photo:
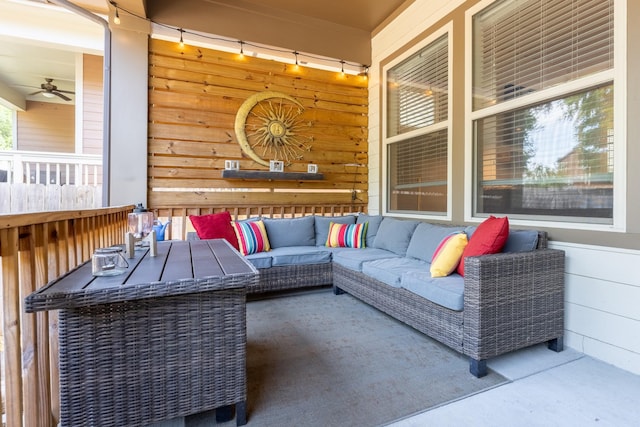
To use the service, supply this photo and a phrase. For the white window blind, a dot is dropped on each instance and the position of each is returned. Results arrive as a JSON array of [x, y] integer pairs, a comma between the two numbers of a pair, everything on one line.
[[417, 89], [528, 45], [418, 173]]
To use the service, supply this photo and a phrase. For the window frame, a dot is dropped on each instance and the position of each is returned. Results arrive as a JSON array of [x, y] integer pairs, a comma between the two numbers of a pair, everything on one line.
[[615, 76], [446, 29]]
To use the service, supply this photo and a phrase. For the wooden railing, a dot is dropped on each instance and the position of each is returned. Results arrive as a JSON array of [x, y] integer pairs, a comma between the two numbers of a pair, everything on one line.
[[180, 224], [36, 181], [35, 249], [31, 167]]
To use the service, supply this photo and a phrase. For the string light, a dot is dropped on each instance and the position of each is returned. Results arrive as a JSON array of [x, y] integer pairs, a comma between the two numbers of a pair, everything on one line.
[[116, 18], [297, 66], [242, 43], [365, 72]]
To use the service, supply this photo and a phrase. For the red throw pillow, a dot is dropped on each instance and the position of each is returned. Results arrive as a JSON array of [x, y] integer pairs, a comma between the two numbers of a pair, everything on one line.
[[489, 238], [215, 226]]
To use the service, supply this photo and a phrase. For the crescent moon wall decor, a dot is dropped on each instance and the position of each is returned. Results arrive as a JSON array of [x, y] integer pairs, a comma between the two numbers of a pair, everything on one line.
[[268, 127]]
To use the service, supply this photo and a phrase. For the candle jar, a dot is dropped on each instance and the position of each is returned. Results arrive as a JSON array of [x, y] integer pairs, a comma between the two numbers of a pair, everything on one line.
[[108, 262]]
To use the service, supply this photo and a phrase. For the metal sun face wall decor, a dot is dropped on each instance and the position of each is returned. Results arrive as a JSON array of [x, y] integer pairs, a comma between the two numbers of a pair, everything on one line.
[[268, 127]]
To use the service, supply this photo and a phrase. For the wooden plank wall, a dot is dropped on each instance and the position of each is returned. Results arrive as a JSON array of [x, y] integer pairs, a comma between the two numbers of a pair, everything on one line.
[[194, 94]]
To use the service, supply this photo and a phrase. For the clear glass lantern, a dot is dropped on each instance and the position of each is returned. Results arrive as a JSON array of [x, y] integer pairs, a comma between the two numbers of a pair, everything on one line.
[[140, 221]]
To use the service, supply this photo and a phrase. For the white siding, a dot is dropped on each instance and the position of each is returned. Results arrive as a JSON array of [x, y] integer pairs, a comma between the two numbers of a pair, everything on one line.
[[602, 314]]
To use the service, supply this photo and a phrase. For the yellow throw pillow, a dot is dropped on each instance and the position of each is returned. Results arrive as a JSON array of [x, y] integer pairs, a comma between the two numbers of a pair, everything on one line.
[[448, 254]]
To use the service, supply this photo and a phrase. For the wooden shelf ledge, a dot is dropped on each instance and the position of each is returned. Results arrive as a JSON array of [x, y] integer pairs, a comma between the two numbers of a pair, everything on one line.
[[272, 176]]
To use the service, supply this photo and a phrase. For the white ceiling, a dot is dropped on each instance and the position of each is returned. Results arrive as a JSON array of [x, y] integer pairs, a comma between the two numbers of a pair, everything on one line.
[[39, 41]]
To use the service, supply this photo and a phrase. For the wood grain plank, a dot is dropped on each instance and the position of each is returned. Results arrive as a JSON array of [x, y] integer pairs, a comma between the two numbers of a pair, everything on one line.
[[228, 258], [151, 270], [45, 416], [178, 264], [11, 325], [205, 263]]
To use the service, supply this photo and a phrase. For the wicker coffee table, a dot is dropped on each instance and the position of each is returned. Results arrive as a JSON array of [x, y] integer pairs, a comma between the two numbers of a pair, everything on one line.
[[163, 340]]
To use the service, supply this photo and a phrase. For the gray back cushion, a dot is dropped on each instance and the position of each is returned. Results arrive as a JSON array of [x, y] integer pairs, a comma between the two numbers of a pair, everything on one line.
[[521, 241], [426, 238], [291, 231], [394, 235], [322, 226], [372, 228]]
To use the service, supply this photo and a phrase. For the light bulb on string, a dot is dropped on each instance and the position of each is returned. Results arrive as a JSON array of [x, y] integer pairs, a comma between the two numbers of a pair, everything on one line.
[[181, 39], [241, 48], [341, 68], [297, 66], [116, 18]]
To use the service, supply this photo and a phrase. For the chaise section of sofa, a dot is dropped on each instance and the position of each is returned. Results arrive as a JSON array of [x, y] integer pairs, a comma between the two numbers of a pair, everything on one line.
[[504, 302]]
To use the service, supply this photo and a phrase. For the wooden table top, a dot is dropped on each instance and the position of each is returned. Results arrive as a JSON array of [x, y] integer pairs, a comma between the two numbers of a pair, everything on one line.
[[179, 267]]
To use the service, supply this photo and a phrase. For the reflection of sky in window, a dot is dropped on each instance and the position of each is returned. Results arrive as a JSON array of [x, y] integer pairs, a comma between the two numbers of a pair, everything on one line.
[[553, 137]]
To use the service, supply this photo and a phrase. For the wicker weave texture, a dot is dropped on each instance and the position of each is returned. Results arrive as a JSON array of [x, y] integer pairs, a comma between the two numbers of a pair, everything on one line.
[[137, 362], [292, 277], [431, 319], [512, 301]]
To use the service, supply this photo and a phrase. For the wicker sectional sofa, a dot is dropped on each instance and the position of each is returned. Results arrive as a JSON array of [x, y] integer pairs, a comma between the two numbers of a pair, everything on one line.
[[504, 302]]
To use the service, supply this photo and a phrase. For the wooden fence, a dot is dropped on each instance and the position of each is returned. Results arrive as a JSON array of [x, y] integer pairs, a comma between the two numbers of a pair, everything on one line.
[[35, 249], [38, 181], [39, 247]]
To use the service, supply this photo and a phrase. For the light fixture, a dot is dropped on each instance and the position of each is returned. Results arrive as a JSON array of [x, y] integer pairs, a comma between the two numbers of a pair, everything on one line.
[[48, 95], [181, 39], [241, 48], [342, 67], [116, 19]]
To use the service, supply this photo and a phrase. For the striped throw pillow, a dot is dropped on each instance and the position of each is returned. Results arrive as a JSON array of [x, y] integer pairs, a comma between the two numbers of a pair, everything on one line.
[[252, 237], [347, 235]]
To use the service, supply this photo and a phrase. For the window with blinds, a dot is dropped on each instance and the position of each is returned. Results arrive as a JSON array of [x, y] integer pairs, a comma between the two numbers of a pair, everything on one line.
[[552, 158], [525, 46], [418, 173], [417, 89], [417, 136]]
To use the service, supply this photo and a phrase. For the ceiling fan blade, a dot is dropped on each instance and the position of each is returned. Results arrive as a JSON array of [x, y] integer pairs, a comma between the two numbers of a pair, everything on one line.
[[35, 93], [65, 91], [66, 98]]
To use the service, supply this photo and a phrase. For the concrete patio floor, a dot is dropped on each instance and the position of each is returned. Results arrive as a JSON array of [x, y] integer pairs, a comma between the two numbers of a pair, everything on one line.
[[545, 389]]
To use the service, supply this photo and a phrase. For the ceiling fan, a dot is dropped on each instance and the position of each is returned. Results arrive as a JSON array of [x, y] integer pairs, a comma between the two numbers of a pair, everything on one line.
[[50, 90]]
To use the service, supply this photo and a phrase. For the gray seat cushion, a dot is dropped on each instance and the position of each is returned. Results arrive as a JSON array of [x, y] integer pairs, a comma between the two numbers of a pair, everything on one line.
[[322, 226], [426, 238], [390, 270], [394, 235], [445, 291], [291, 231], [299, 255], [353, 258], [260, 259]]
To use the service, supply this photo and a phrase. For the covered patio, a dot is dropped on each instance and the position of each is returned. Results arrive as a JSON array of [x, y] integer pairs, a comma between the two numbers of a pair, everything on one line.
[[180, 73]]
